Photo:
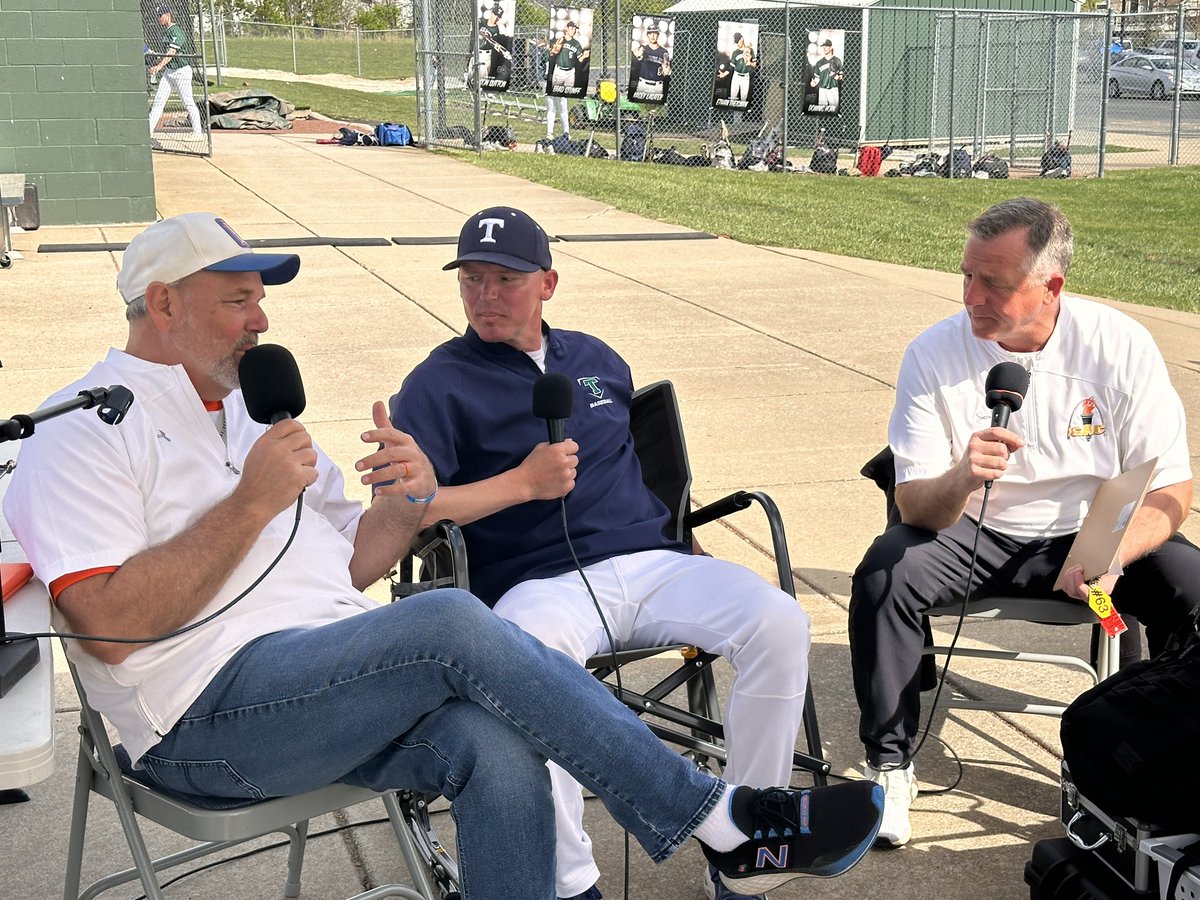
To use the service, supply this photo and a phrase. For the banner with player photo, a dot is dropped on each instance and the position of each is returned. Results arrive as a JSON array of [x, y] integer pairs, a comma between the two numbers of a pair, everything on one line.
[[737, 64], [824, 72], [650, 59], [570, 51], [493, 58]]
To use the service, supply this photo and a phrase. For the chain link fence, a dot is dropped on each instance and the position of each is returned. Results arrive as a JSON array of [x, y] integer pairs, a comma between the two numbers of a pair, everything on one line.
[[1153, 89], [176, 76], [772, 84], [385, 54]]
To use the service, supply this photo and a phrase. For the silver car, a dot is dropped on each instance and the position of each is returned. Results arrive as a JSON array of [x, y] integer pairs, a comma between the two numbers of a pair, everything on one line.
[[1152, 76]]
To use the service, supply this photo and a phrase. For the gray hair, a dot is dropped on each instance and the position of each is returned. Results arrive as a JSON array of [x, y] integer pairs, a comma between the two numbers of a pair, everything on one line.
[[136, 308], [1051, 242]]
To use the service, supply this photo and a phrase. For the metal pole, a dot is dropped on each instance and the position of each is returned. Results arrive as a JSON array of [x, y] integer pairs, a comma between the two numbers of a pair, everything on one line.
[[616, 76], [1052, 93], [215, 30], [787, 73], [864, 75], [933, 90], [425, 67], [950, 119], [977, 145], [473, 63], [1012, 98], [295, 68], [1107, 58], [1177, 94], [358, 48]]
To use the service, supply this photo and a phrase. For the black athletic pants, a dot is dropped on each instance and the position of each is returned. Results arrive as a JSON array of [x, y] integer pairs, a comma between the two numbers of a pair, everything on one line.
[[908, 571]]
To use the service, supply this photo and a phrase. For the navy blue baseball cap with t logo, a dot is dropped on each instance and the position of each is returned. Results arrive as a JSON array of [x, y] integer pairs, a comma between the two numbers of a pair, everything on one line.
[[506, 237]]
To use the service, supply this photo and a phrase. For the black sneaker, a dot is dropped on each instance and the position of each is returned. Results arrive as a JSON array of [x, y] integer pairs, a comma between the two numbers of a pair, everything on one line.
[[820, 831]]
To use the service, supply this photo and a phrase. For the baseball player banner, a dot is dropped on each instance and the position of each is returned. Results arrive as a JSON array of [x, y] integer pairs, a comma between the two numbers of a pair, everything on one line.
[[650, 59], [570, 51], [493, 58], [825, 72], [737, 64]]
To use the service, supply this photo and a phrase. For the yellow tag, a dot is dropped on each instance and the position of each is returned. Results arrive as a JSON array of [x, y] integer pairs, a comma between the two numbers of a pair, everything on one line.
[[1102, 606]]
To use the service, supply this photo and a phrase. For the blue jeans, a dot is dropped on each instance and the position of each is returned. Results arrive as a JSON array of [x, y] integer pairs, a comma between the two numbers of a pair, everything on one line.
[[435, 693]]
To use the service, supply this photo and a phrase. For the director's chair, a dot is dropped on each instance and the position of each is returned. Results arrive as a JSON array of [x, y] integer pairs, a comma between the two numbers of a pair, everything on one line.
[[104, 769], [696, 727]]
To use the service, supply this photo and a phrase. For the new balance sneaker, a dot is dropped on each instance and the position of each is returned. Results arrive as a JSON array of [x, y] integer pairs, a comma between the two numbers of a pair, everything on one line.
[[820, 831], [899, 791], [714, 888]]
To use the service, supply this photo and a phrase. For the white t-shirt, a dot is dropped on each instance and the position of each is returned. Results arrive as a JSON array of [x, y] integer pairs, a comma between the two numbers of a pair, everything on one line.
[[88, 495], [1099, 403]]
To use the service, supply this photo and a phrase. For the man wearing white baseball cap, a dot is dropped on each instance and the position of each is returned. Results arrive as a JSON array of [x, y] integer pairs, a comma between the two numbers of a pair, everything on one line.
[[226, 558], [174, 248]]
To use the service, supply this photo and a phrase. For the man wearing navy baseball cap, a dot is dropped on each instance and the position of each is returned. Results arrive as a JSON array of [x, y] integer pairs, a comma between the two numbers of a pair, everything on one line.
[[468, 406]]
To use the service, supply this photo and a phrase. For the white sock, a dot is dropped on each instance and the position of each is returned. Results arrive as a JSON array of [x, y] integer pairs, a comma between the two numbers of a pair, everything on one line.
[[718, 830]]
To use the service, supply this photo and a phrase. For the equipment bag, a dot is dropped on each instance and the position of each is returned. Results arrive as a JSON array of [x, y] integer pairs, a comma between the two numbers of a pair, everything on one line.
[[824, 160], [962, 164], [1056, 162], [869, 159], [389, 134], [1127, 741], [502, 135], [992, 166], [1061, 871]]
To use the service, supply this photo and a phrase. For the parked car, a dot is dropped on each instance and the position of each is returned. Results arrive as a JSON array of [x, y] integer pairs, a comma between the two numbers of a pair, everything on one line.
[[1166, 47], [1150, 76], [1090, 61]]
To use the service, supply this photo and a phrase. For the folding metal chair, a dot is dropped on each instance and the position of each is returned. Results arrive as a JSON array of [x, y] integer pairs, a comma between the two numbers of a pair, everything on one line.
[[881, 469], [105, 769], [659, 443]]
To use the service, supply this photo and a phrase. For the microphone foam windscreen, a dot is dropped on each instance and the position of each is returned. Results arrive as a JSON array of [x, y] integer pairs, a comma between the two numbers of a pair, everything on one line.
[[553, 396], [1007, 382], [271, 383]]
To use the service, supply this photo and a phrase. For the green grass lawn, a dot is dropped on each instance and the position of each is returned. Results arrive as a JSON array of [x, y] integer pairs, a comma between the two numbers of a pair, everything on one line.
[[1137, 232], [381, 57]]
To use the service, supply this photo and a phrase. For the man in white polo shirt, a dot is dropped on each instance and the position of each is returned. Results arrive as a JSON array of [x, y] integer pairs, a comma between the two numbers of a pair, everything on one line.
[[1099, 403]]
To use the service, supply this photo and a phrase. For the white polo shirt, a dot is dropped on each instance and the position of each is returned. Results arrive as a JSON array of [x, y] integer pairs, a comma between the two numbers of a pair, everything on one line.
[[1099, 403], [88, 495]]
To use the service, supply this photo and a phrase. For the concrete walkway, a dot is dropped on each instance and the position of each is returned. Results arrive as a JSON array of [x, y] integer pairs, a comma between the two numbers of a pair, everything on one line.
[[785, 362]]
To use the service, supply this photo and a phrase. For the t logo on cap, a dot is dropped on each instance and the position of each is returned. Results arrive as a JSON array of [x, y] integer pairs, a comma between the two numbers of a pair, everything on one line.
[[489, 224], [504, 237]]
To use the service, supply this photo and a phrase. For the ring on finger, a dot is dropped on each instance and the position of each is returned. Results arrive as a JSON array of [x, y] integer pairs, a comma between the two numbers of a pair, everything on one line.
[[403, 463]]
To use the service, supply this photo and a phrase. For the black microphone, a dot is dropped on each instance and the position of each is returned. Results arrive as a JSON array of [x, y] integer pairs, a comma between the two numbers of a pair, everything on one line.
[[553, 400], [1006, 385], [271, 384]]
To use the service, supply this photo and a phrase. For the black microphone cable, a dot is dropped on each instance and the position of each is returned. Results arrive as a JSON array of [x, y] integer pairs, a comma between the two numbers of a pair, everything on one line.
[[962, 615], [612, 643], [186, 628]]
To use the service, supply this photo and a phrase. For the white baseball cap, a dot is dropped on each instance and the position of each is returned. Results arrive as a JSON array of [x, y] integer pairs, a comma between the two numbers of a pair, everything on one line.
[[176, 247]]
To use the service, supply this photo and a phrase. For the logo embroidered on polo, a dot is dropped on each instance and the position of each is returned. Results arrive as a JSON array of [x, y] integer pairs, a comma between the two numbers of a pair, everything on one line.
[[1087, 421], [592, 384]]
